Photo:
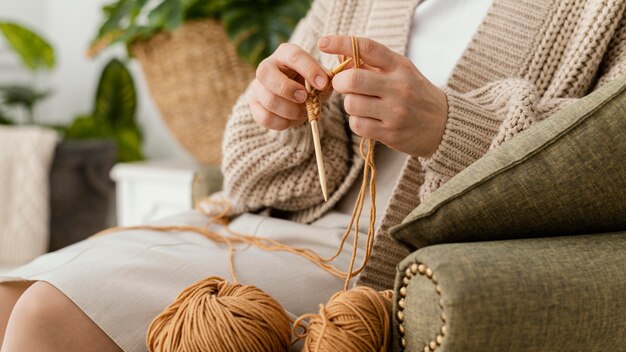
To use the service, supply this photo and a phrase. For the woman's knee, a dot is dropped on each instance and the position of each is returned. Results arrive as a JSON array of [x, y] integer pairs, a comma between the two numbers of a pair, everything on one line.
[[45, 316], [39, 305], [10, 292]]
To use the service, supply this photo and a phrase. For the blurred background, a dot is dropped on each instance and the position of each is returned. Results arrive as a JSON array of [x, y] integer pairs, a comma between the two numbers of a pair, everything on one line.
[[112, 111], [70, 26]]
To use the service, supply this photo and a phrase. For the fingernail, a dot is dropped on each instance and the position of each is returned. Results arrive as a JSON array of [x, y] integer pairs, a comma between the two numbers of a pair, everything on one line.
[[300, 95], [323, 42], [320, 81]]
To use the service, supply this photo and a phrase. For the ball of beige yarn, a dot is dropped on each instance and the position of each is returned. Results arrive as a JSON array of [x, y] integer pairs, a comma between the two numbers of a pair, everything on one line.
[[355, 320], [215, 315]]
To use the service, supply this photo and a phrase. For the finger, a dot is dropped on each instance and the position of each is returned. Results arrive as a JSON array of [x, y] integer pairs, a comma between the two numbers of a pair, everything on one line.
[[372, 52], [367, 128], [291, 56], [266, 118], [364, 106], [359, 81], [278, 83], [278, 105]]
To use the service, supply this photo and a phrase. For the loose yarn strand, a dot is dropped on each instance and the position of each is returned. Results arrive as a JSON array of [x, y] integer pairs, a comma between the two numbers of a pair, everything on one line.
[[216, 315]]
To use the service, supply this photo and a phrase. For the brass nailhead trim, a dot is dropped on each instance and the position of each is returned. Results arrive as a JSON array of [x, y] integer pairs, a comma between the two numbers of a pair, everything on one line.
[[408, 273], [414, 270]]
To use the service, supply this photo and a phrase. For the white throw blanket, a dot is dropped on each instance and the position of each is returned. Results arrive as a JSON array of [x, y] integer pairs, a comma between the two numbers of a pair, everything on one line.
[[26, 155]]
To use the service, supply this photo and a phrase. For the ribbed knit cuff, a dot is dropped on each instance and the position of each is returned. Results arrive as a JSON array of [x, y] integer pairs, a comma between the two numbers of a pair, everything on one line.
[[470, 128]]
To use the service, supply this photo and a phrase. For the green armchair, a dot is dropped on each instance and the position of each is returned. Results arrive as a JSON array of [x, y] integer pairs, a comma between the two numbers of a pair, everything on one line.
[[544, 294], [525, 250]]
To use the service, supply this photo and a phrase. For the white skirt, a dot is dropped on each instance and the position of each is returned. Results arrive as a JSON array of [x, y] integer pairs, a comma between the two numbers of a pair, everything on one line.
[[122, 281]]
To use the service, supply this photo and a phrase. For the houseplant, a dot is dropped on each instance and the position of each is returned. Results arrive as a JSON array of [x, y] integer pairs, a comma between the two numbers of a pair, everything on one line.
[[113, 116], [81, 191], [198, 56], [35, 54], [80, 188]]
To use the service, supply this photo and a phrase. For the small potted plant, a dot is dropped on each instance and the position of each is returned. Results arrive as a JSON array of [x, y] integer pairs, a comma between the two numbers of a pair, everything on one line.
[[198, 56], [80, 188]]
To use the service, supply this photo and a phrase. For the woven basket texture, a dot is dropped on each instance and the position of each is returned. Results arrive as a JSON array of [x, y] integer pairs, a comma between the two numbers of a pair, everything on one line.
[[195, 77]]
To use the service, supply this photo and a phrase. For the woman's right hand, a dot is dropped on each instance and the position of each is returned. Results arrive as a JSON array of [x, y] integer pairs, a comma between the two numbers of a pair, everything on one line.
[[278, 92]]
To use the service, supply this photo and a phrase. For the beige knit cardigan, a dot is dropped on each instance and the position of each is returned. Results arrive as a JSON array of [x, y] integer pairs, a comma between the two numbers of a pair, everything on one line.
[[527, 59]]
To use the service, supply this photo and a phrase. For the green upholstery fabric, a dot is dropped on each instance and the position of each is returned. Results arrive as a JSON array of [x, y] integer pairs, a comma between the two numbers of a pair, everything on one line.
[[564, 176], [545, 294]]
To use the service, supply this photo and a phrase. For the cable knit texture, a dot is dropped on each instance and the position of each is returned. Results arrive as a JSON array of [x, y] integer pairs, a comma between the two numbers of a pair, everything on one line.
[[528, 59]]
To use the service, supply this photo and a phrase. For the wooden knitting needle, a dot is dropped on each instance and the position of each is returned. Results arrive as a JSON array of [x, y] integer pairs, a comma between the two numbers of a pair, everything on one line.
[[319, 156]]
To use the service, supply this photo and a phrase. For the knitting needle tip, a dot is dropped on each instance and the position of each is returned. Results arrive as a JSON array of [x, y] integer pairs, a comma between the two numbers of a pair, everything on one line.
[[339, 68], [319, 156]]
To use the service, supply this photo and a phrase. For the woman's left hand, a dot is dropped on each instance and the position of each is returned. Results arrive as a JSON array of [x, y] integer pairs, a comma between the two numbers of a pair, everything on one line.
[[389, 100]]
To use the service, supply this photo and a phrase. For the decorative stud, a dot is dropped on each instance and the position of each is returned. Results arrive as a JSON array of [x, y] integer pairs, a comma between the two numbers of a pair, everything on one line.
[[401, 316], [402, 303], [421, 268], [439, 339], [409, 272]]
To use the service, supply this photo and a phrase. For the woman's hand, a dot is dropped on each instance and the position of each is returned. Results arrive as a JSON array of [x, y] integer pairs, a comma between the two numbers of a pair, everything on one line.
[[278, 92], [389, 100]]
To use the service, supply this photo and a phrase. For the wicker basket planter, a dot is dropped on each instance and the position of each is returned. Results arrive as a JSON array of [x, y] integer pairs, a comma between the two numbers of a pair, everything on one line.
[[195, 77]]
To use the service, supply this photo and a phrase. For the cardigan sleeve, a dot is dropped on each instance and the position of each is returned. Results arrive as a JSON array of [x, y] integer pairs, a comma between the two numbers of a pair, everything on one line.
[[485, 118], [482, 119], [265, 168], [614, 62]]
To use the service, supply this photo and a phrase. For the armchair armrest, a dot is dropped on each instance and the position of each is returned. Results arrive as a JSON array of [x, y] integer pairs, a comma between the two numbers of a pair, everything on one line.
[[206, 181], [546, 294]]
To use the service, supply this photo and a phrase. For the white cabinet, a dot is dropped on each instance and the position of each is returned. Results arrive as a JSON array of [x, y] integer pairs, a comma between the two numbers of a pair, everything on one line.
[[151, 190]]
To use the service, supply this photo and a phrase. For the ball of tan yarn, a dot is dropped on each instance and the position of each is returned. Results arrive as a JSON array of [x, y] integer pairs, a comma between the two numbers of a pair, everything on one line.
[[215, 315], [355, 320]]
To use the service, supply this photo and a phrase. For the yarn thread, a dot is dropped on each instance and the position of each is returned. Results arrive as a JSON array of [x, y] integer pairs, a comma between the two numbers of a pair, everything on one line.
[[216, 315]]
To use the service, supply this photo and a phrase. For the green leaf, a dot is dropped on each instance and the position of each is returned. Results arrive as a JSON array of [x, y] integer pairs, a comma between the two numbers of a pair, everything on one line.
[[34, 51], [259, 27], [198, 9], [136, 10], [116, 99], [167, 15], [114, 113], [256, 26], [128, 140], [4, 120], [128, 145], [86, 127], [22, 96]]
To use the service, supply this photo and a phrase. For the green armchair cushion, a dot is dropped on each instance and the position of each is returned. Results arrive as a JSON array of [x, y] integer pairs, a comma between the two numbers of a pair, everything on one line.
[[562, 294], [565, 176]]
